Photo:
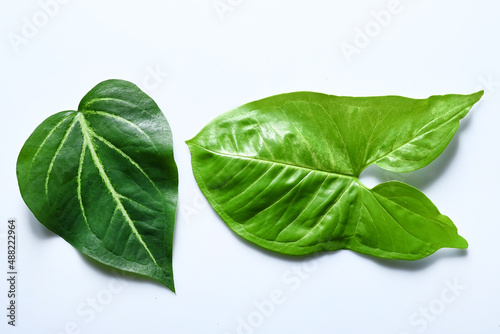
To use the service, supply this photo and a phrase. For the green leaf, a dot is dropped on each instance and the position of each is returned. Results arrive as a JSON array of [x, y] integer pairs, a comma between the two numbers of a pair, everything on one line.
[[104, 178], [283, 172]]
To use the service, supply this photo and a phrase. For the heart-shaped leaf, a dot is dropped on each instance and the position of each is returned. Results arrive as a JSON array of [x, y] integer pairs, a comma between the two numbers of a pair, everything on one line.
[[283, 172], [104, 178]]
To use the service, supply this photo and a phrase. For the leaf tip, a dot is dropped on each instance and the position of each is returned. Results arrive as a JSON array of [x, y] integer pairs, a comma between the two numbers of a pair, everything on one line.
[[171, 287], [191, 142], [462, 243], [477, 95]]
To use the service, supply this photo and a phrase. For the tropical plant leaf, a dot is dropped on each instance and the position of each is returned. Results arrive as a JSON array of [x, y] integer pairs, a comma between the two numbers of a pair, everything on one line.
[[104, 178], [283, 172]]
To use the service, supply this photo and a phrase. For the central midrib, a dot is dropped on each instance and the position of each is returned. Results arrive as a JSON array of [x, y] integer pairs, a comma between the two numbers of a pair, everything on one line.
[[277, 162], [116, 196]]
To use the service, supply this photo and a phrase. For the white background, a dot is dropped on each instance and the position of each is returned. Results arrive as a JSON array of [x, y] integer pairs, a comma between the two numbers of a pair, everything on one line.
[[200, 58]]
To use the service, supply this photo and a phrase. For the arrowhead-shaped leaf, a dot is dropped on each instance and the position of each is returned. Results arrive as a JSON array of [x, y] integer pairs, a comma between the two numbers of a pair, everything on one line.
[[104, 178], [283, 172]]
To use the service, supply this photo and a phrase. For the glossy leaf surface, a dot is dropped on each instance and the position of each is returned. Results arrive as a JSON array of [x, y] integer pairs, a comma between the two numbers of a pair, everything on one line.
[[104, 178], [282, 172]]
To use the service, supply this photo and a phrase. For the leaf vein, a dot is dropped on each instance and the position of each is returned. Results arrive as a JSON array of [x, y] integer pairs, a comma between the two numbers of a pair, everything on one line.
[[87, 133]]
